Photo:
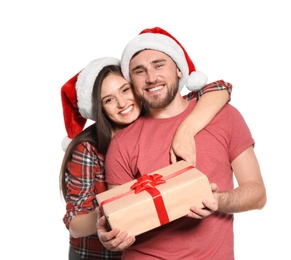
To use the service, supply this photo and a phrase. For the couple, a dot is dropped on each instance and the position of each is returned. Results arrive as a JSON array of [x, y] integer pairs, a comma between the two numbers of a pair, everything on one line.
[[224, 145]]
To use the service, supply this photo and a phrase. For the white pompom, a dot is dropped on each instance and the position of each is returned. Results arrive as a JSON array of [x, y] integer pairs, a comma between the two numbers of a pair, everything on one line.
[[65, 143], [196, 81]]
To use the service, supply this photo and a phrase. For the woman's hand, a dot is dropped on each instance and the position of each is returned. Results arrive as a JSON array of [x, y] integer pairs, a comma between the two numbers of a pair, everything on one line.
[[183, 145]]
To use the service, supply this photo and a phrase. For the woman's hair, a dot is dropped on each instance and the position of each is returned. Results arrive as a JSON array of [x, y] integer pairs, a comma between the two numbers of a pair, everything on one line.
[[98, 134]]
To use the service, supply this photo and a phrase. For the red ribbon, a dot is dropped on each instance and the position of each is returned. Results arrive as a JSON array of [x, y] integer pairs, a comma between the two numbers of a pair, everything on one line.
[[147, 182]]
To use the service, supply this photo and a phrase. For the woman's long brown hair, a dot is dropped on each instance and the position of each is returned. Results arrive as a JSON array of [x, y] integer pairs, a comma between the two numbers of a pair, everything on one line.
[[98, 134]]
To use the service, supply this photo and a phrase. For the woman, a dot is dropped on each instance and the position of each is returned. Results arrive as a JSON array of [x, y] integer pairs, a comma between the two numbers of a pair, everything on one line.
[[104, 96]]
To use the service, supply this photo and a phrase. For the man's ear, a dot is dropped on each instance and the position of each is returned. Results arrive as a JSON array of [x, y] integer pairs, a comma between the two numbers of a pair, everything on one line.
[[179, 73]]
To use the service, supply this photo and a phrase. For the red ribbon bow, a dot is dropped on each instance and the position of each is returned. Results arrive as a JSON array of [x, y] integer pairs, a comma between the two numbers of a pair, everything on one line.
[[147, 182]]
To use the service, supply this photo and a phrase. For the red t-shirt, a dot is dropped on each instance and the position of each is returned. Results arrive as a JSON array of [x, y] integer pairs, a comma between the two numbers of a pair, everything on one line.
[[144, 147]]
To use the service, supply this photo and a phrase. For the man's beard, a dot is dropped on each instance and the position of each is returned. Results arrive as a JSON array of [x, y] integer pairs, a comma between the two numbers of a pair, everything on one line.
[[155, 102]]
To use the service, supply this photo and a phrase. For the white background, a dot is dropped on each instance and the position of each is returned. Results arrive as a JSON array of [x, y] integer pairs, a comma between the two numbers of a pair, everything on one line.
[[44, 43]]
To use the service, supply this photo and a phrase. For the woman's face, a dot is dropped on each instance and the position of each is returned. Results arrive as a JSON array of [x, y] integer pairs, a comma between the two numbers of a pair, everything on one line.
[[118, 100]]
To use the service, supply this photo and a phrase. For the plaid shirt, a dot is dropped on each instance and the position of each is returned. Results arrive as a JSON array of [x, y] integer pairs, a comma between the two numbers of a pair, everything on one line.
[[85, 177], [213, 86]]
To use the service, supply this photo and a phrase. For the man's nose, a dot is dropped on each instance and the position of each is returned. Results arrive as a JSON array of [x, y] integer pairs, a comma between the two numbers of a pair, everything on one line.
[[151, 77]]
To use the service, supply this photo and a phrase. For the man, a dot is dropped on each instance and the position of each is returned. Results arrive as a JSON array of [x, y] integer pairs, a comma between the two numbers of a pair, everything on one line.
[[155, 63]]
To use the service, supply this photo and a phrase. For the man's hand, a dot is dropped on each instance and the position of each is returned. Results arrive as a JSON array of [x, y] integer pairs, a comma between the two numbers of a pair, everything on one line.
[[209, 207], [113, 240]]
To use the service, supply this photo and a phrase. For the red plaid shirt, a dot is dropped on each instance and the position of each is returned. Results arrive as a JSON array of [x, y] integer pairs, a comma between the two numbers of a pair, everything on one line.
[[85, 177], [213, 86]]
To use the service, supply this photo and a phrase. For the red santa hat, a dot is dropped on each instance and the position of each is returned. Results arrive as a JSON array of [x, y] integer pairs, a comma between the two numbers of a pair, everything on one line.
[[158, 39], [76, 95]]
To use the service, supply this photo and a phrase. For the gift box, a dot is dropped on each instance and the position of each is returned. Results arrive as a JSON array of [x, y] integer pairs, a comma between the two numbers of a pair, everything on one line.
[[155, 199]]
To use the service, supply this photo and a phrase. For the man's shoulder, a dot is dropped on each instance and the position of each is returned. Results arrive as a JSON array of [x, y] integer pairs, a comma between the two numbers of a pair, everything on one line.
[[229, 108], [228, 113]]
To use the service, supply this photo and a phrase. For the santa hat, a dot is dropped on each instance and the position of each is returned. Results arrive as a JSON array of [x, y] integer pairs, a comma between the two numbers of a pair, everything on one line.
[[76, 97], [158, 39]]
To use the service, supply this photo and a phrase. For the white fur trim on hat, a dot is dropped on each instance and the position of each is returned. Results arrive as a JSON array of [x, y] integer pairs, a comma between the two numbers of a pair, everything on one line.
[[85, 83], [65, 143], [196, 80], [158, 42]]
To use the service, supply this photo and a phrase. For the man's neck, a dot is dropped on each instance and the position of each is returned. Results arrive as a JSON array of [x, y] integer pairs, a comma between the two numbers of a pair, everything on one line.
[[177, 106]]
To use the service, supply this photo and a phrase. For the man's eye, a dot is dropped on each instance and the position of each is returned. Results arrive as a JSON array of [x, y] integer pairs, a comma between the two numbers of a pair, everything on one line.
[[158, 65], [139, 71]]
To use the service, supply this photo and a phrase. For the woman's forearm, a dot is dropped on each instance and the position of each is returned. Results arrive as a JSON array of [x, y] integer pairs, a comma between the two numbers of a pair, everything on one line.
[[205, 110], [83, 225]]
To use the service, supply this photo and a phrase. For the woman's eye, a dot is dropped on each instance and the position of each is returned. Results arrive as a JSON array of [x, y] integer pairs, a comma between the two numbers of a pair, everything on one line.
[[126, 90], [107, 101]]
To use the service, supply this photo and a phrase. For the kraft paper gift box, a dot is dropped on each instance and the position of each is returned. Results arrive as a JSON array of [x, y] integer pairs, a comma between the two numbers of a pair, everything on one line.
[[155, 199]]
